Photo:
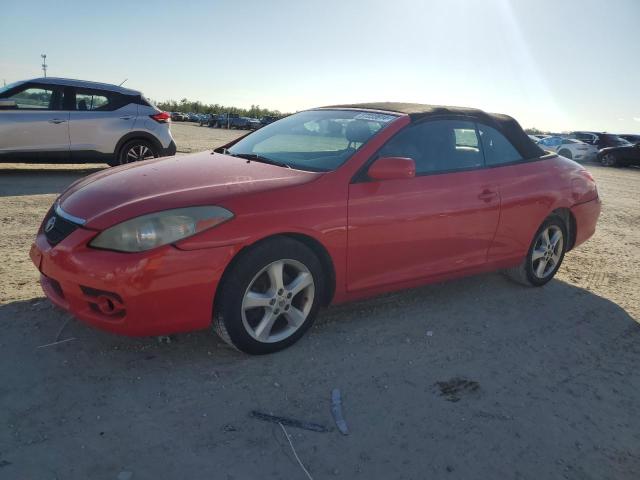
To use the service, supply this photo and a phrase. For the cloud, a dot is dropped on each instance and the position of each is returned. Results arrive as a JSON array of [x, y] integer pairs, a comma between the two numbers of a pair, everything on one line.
[[637, 119]]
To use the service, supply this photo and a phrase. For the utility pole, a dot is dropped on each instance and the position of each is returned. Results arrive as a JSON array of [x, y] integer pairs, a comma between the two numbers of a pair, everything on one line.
[[44, 64]]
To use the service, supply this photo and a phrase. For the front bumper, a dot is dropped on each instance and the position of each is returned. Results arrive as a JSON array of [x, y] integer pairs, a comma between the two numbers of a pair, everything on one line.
[[586, 215], [585, 156], [160, 292]]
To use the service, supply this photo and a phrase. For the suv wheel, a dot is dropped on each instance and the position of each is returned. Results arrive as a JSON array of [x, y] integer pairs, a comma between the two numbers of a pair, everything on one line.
[[135, 151]]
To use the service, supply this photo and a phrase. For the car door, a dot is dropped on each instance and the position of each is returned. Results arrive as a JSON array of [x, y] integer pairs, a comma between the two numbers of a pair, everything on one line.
[[34, 126], [99, 119], [442, 220], [527, 187]]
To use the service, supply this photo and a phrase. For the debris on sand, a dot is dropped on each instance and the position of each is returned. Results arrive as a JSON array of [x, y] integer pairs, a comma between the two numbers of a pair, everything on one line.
[[57, 343], [286, 434], [336, 411], [457, 387], [289, 422]]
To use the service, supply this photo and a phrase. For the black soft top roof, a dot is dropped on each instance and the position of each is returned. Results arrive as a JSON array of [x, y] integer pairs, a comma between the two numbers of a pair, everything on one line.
[[507, 125]]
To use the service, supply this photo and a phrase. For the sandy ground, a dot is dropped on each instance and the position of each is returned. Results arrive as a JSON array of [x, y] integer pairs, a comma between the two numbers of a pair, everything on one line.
[[538, 383]]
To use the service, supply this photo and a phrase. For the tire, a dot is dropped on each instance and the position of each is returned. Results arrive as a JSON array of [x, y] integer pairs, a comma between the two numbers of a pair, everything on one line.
[[132, 151], [258, 315], [530, 272], [609, 160], [566, 154]]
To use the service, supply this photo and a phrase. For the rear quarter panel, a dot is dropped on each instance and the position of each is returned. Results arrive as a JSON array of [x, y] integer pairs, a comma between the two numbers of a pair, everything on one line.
[[529, 192]]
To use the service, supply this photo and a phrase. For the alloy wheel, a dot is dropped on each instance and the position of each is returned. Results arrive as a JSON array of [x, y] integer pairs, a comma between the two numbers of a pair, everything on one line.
[[137, 153], [278, 301], [547, 251]]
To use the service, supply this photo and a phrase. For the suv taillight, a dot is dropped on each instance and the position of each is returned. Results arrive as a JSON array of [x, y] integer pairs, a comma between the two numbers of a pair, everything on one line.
[[162, 117]]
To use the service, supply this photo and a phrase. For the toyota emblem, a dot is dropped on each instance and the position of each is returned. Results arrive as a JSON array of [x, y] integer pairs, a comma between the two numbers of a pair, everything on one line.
[[50, 224]]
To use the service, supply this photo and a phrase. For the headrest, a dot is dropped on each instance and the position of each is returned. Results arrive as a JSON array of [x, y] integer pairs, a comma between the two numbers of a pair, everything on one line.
[[357, 131]]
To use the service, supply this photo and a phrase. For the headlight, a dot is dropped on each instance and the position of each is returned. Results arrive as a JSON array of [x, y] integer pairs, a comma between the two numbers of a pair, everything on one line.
[[161, 228]]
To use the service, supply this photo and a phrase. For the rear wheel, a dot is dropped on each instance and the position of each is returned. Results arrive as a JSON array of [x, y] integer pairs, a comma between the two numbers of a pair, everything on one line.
[[566, 153], [135, 151], [270, 298], [545, 254], [609, 160]]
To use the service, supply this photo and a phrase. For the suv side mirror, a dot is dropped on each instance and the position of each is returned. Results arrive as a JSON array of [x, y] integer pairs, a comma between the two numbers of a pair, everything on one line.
[[6, 104], [392, 168]]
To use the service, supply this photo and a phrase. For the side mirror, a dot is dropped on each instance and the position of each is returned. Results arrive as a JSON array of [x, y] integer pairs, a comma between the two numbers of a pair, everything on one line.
[[392, 168], [6, 104]]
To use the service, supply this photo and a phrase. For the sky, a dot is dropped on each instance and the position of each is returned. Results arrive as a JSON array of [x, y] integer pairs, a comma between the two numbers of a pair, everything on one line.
[[554, 65]]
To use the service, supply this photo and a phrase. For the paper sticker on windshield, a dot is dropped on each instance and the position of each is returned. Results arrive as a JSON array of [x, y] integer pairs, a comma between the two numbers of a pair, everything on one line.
[[374, 117]]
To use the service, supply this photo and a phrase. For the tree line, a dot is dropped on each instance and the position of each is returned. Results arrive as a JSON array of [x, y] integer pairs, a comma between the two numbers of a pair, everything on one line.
[[187, 106]]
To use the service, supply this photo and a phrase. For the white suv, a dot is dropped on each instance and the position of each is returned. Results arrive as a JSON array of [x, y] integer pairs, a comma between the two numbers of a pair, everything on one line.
[[63, 120]]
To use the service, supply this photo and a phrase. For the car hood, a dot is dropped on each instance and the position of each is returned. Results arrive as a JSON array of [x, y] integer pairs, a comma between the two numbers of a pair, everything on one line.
[[117, 194]]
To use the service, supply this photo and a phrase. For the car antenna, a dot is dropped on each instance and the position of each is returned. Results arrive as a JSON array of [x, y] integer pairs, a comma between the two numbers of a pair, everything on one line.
[[123, 81]]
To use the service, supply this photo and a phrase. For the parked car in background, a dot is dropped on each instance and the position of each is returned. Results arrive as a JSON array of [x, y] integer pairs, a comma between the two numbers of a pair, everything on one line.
[[324, 206], [235, 121], [612, 149], [193, 117], [224, 120], [178, 117], [536, 137], [631, 138], [252, 123], [620, 155], [599, 139], [577, 150], [569, 148], [64, 120], [267, 119]]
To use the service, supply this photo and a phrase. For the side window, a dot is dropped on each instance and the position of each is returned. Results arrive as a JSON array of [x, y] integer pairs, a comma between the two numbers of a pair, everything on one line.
[[437, 146], [497, 149], [95, 100], [35, 98]]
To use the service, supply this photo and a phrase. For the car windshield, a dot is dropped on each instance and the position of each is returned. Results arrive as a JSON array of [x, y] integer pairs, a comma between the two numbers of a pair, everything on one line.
[[314, 140]]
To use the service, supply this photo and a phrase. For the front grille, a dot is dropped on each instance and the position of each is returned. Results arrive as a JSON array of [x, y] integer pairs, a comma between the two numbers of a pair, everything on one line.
[[57, 228]]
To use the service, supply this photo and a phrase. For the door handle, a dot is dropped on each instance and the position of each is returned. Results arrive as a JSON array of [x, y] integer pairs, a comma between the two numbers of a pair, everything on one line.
[[126, 117], [57, 120], [488, 195]]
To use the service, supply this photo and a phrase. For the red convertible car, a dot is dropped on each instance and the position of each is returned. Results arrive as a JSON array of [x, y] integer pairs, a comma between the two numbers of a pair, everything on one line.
[[324, 206]]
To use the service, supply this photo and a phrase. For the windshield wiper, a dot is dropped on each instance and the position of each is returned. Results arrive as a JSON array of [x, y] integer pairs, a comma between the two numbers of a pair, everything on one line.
[[259, 158]]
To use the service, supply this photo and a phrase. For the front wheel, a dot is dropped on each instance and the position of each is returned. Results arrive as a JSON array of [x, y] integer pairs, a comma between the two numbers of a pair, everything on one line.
[[609, 160], [566, 154], [545, 254], [270, 298]]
